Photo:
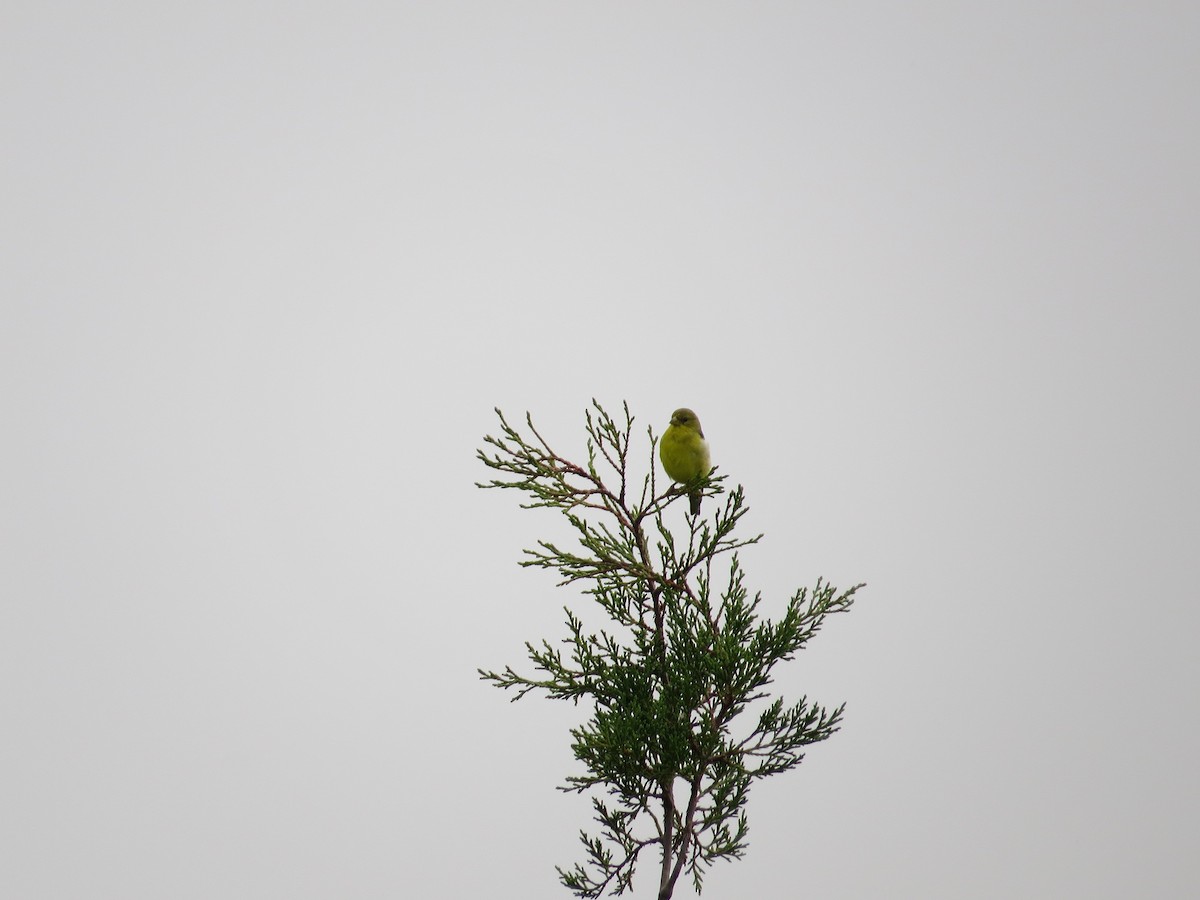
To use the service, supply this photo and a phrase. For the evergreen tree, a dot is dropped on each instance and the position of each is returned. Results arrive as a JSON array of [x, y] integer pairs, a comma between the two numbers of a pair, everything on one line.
[[672, 745]]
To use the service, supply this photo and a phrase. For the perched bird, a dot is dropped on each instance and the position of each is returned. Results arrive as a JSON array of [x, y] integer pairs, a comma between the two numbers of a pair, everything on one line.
[[684, 452]]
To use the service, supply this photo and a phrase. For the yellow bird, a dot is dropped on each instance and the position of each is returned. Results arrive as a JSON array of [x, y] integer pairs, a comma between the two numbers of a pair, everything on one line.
[[684, 452]]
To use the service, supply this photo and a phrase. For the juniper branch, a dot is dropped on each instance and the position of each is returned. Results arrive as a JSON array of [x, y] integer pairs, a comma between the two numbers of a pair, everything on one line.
[[668, 687]]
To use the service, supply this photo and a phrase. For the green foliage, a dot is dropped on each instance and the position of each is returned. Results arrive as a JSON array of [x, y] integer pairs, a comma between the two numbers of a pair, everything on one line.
[[665, 756]]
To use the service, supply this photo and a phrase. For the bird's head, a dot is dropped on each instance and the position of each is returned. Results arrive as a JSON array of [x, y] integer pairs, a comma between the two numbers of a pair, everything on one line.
[[685, 418]]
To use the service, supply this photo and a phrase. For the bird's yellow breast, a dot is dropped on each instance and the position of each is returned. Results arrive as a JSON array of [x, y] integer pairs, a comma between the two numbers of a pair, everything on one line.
[[684, 453]]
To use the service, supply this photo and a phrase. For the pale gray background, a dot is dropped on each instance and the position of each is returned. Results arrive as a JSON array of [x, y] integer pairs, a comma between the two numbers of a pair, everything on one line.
[[928, 272]]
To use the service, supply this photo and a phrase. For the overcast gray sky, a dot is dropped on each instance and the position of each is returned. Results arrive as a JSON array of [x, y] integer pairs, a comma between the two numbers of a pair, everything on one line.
[[927, 272]]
